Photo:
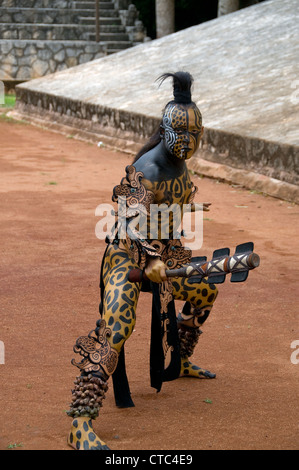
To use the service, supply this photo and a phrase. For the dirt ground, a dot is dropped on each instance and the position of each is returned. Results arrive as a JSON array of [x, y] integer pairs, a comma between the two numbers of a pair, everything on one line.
[[50, 261]]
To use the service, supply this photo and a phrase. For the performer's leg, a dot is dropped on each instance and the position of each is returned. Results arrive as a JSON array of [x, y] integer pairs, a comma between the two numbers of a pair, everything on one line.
[[101, 348], [199, 302]]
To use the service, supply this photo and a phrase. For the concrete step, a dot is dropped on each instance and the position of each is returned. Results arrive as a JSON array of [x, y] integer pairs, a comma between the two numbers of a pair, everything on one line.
[[60, 32], [116, 46], [42, 15], [104, 13], [50, 15], [36, 4], [85, 20], [91, 5]]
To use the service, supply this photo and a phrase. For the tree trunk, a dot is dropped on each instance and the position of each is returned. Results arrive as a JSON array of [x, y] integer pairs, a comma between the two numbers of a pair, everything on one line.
[[165, 17], [227, 6]]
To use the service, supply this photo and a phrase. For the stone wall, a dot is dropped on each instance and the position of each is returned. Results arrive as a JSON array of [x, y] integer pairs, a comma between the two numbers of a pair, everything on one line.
[[119, 129], [128, 131], [274, 159], [39, 16], [23, 59]]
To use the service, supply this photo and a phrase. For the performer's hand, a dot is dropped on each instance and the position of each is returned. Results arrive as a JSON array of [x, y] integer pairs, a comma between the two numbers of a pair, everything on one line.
[[205, 206], [155, 270]]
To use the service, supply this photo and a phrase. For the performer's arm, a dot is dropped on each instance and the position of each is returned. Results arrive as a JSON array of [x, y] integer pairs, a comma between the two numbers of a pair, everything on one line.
[[145, 253]]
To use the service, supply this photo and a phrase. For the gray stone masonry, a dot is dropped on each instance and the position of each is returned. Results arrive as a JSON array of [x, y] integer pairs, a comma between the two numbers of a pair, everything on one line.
[[33, 32], [245, 68], [21, 59]]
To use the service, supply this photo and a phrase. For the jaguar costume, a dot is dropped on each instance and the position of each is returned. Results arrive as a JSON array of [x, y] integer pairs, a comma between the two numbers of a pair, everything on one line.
[[158, 176]]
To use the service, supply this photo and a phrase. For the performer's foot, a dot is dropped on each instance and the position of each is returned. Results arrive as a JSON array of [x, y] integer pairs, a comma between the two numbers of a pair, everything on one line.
[[191, 370], [83, 437]]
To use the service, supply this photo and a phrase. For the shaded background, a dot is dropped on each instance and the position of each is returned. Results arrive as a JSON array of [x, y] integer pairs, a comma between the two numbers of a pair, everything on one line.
[[187, 13]]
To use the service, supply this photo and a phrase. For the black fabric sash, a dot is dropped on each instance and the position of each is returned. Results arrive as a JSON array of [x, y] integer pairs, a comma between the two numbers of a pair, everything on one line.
[[158, 372]]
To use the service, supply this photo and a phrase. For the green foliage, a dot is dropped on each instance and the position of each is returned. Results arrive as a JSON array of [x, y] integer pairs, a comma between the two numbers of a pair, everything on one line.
[[14, 446], [207, 400], [10, 101]]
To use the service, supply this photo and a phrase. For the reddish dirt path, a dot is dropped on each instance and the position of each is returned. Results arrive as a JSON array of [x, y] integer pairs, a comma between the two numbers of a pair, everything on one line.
[[50, 261]]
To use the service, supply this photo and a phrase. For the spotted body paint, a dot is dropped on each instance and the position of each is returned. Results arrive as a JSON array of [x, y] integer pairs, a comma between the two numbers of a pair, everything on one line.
[[83, 437], [121, 297], [173, 192]]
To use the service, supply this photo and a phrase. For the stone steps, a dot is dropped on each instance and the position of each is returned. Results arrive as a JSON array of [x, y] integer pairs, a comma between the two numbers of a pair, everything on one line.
[[56, 16], [37, 4], [35, 24], [91, 5], [85, 20], [116, 46], [56, 32]]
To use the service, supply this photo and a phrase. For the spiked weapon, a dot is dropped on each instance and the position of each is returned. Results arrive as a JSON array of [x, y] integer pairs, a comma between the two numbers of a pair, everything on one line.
[[216, 270]]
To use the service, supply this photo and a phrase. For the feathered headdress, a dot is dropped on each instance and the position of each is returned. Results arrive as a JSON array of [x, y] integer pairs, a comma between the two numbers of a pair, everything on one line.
[[182, 82]]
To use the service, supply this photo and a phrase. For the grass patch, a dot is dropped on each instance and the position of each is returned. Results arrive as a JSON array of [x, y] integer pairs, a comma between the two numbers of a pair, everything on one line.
[[207, 400], [9, 101], [14, 446], [5, 118]]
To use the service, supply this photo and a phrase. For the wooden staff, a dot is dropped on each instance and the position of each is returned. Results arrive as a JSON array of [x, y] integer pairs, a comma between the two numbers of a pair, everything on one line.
[[216, 268]]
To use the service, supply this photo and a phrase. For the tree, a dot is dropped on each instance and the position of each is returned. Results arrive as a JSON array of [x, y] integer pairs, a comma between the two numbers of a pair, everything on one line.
[[165, 17], [228, 6]]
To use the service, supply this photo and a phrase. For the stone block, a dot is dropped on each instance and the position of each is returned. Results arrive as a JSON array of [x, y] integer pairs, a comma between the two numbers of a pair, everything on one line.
[[71, 61], [60, 56], [44, 54], [39, 68]]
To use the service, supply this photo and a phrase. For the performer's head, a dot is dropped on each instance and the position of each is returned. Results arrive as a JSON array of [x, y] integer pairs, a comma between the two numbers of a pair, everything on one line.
[[181, 128]]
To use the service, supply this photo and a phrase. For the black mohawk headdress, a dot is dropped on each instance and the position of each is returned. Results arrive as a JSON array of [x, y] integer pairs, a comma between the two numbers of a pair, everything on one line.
[[182, 82]]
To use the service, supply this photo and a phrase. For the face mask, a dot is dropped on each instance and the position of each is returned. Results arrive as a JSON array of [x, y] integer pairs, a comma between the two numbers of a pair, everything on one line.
[[182, 130]]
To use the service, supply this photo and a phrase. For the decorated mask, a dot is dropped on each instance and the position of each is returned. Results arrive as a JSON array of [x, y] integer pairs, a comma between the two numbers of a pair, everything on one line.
[[181, 127], [182, 130]]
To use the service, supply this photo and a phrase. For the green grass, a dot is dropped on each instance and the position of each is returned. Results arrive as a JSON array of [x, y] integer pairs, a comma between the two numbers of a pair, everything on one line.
[[207, 400], [5, 118], [10, 101], [14, 446]]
